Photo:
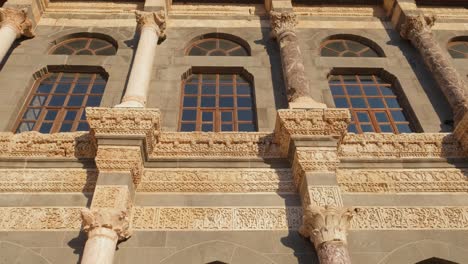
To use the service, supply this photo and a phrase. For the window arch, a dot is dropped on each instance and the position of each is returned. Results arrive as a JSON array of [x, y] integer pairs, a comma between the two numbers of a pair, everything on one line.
[[84, 45], [458, 47], [436, 261], [58, 99], [372, 101], [349, 46], [218, 44], [217, 102]]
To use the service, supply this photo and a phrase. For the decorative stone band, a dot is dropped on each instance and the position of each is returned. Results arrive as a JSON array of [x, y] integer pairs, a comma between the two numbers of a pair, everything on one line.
[[397, 146], [112, 197], [316, 159], [107, 218], [121, 158], [155, 20], [58, 145], [323, 195], [400, 181], [18, 20], [217, 180]]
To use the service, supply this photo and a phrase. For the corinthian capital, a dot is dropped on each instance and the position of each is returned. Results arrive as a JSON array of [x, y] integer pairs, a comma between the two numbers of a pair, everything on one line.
[[282, 22], [417, 24], [112, 219], [324, 224], [157, 20], [17, 19]]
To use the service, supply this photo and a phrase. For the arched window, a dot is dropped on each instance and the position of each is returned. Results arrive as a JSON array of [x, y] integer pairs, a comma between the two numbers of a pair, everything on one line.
[[217, 102], [458, 49], [346, 48], [216, 47], [436, 261], [57, 102], [84, 46], [373, 103]]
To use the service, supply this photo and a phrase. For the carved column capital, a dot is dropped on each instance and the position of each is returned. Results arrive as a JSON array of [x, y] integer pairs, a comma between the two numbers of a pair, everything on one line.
[[111, 219], [156, 20], [18, 20], [326, 224], [282, 23], [417, 25]]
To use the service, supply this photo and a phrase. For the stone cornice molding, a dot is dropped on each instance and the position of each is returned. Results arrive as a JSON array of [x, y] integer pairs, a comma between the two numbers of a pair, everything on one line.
[[155, 20], [18, 20], [111, 219], [417, 25], [325, 224], [283, 23]]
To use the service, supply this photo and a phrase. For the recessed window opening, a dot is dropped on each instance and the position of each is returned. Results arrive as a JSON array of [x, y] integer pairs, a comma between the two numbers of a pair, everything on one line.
[[84, 46], [458, 49], [215, 46], [346, 48]]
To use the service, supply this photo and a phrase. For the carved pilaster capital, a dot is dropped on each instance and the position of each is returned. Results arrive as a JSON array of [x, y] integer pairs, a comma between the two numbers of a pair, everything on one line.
[[113, 219], [156, 20], [18, 20], [416, 25], [324, 224], [282, 23]]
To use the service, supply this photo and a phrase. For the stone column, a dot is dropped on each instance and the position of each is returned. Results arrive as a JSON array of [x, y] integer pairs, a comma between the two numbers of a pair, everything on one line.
[[327, 228], [417, 29], [14, 23], [152, 27], [283, 29], [105, 227]]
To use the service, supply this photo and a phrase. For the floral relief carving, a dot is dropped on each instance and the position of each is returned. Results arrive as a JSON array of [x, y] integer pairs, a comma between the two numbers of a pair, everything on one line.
[[408, 180], [17, 19], [156, 20], [121, 158], [307, 159], [216, 180], [111, 196], [112, 219], [325, 195], [40, 218]]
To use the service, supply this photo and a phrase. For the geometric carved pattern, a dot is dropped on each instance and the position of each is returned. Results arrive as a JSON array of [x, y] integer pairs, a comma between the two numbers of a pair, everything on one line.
[[323, 195], [39, 218], [407, 180], [47, 180], [111, 196], [217, 180]]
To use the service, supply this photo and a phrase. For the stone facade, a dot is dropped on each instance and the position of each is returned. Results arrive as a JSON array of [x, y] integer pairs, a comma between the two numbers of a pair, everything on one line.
[[301, 189]]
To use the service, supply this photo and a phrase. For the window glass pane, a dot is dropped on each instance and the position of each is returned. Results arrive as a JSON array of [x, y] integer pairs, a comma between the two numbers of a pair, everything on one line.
[[367, 128], [375, 103], [363, 117], [386, 129], [225, 90], [38, 100], [45, 88], [369, 53], [337, 90], [381, 117], [97, 44], [93, 101], [243, 89], [392, 103], [189, 115], [191, 89], [208, 44], [245, 115], [207, 127], [106, 52], [217, 53], [66, 127], [84, 52], [57, 100], [67, 77], [85, 78], [226, 116], [78, 43], [98, 88], [398, 116], [403, 128], [209, 89], [80, 88], [226, 44], [63, 51], [226, 127], [341, 103], [353, 90], [190, 102], [354, 46], [386, 91], [352, 128], [371, 90], [207, 116], [76, 100], [51, 115], [26, 126], [244, 102], [70, 116], [209, 78], [225, 79], [226, 102], [82, 126], [246, 127], [187, 127], [45, 128], [358, 103], [208, 101], [195, 51], [63, 88], [32, 113]]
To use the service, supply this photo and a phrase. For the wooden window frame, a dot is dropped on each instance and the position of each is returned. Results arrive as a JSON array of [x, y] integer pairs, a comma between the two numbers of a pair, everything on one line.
[[66, 43], [218, 48], [340, 53], [457, 42]]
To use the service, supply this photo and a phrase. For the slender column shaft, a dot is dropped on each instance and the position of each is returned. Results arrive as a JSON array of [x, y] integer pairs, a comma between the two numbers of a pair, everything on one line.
[[297, 85], [7, 37], [151, 26], [100, 246], [14, 23], [418, 30], [333, 252]]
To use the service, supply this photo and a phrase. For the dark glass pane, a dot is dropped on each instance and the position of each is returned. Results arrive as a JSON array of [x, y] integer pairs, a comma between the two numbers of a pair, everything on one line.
[[336, 45], [38, 100], [67, 77], [70, 116], [26, 126], [369, 53], [189, 115], [386, 91], [207, 128], [217, 53], [93, 101], [358, 103], [225, 90], [227, 44], [238, 52], [187, 127], [195, 51], [85, 78], [244, 102], [326, 52], [208, 89], [341, 103], [100, 78], [226, 102], [354, 46], [51, 77], [392, 103], [62, 50], [77, 100], [225, 79], [398, 116], [83, 115], [246, 127], [45, 127], [349, 54], [57, 100], [191, 89], [190, 101], [353, 90], [371, 90], [78, 44], [366, 79], [349, 79], [208, 101], [352, 128], [337, 90], [367, 128], [456, 54], [243, 89], [80, 88], [209, 78], [207, 116], [226, 127], [51, 115], [375, 103], [84, 52], [334, 79], [363, 117], [82, 126], [461, 47], [192, 79], [226, 116], [98, 43], [244, 115], [63, 88], [403, 128], [386, 129], [44, 88], [208, 44], [32, 113], [381, 117], [240, 79], [98, 88], [66, 127]]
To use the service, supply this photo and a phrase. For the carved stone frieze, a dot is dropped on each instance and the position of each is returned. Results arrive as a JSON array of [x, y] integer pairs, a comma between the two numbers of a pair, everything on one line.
[[396, 146], [111, 196], [17, 19], [57, 145], [48, 180], [121, 158], [40, 218], [314, 159], [217, 180], [324, 195], [156, 20], [112, 219], [407, 180]]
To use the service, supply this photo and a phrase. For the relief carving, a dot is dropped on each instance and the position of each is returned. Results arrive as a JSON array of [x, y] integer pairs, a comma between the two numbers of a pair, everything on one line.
[[40, 218], [121, 158], [17, 19], [324, 195], [156, 20], [111, 196], [112, 219]]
